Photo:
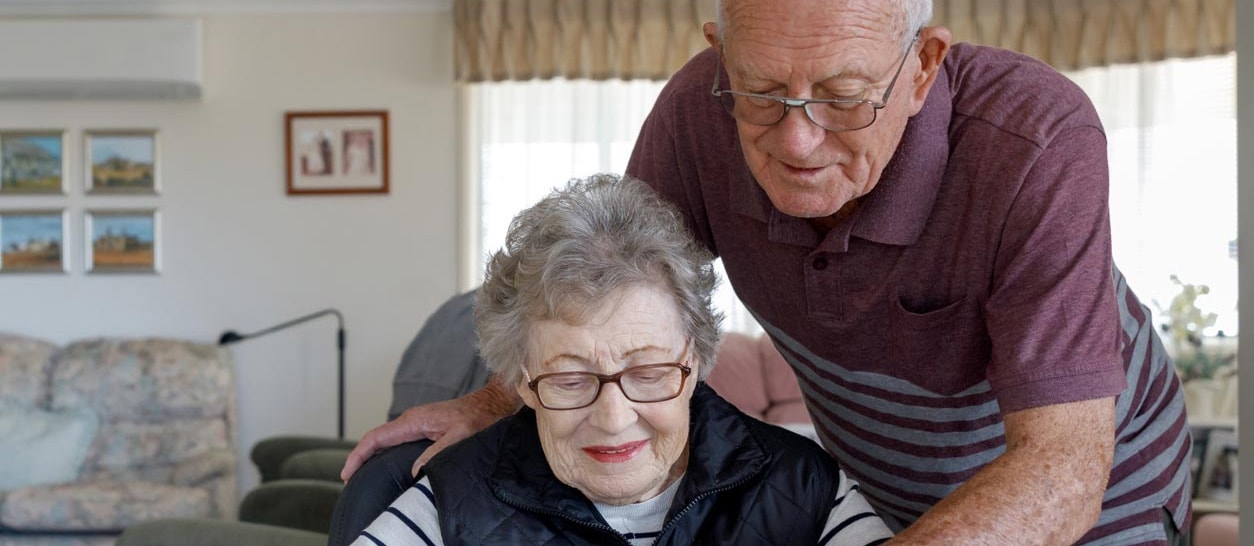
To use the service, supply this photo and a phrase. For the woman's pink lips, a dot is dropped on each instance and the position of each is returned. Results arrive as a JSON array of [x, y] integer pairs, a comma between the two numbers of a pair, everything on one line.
[[615, 454]]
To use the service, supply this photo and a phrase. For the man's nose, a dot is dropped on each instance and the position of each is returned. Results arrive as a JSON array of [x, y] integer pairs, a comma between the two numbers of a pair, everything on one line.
[[798, 135]]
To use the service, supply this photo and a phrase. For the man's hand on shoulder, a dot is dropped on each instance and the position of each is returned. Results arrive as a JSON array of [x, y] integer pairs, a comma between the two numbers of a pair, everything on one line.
[[446, 423]]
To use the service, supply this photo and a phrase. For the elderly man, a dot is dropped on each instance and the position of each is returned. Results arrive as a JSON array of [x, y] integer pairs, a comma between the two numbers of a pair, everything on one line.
[[923, 231]]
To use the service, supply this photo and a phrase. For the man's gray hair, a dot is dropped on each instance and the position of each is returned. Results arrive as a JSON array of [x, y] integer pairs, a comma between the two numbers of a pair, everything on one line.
[[913, 15], [568, 255]]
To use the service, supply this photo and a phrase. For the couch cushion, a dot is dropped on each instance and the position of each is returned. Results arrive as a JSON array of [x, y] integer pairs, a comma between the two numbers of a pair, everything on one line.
[[143, 379], [99, 507], [160, 401], [738, 375], [43, 447], [24, 370], [782, 389]]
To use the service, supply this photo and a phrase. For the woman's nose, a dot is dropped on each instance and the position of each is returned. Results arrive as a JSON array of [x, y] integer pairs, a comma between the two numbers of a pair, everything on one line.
[[612, 411]]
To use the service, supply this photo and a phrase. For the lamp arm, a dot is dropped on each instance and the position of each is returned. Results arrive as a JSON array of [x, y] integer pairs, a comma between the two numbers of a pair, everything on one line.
[[338, 317], [231, 336]]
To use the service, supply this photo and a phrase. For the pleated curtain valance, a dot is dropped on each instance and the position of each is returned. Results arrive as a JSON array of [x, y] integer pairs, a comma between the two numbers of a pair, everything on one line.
[[649, 39]]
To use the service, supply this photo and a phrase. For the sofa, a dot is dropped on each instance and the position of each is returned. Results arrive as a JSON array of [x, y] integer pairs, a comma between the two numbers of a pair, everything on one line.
[[102, 434]]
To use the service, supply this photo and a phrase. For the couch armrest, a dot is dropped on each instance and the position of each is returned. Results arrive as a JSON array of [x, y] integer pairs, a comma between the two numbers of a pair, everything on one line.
[[270, 453], [316, 464], [196, 532], [195, 471], [296, 504]]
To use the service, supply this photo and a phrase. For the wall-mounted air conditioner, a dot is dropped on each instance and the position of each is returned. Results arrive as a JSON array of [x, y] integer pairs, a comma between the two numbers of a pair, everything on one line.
[[101, 59]]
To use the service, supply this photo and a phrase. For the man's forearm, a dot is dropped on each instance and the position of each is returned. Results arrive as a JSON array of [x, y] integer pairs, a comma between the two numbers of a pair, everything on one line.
[[497, 397], [1046, 489]]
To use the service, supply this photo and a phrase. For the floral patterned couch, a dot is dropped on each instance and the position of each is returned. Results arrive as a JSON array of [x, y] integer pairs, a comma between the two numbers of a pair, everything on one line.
[[164, 445]]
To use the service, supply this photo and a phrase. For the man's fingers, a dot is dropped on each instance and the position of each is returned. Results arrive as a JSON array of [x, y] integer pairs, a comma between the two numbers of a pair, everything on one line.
[[356, 457], [389, 434], [450, 437]]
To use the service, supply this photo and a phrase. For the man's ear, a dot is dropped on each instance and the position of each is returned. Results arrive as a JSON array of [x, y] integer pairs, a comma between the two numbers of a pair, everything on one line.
[[711, 35], [933, 46]]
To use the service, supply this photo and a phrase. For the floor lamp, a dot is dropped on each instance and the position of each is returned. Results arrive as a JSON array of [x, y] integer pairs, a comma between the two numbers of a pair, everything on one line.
[[231, 336]]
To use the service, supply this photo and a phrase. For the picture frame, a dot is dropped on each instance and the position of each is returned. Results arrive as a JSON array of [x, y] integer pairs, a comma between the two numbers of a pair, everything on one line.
[[33, 241], [337, 152], [121, 162], [1219, 474], [122, 241], [32, 162]]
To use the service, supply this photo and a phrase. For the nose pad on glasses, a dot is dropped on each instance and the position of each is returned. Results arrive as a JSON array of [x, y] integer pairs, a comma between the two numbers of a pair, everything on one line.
[[799, 134]]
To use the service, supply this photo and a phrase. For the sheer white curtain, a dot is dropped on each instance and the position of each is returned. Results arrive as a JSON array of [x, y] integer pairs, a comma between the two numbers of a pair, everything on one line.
[[1171, 127], [1172, 135], [531, 137]]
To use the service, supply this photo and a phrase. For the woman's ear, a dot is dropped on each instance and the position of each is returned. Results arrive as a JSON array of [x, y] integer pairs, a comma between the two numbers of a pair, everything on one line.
[[528, 397], [933, 46]]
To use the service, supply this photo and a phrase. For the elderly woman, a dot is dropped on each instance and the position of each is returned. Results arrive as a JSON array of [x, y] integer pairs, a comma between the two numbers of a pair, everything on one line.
[[598, 310]]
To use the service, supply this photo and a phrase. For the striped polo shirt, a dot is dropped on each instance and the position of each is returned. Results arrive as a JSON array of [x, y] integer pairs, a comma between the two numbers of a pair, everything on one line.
[[975, 280]]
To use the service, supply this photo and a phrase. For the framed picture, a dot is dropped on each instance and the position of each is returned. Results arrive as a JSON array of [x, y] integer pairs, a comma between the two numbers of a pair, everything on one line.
[[337, 152], [123, 241], [121, 162], [1219, 473], [32, 162], [32, 241]]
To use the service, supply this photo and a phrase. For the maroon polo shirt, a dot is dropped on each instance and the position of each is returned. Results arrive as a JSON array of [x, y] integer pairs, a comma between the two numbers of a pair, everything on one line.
[[975, 280]]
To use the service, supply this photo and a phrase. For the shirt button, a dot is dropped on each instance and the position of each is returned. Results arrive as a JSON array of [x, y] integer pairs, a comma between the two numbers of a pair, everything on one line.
[[820, 263]]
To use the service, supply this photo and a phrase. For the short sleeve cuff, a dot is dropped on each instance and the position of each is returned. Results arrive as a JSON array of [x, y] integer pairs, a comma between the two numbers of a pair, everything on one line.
[[1050, 391]]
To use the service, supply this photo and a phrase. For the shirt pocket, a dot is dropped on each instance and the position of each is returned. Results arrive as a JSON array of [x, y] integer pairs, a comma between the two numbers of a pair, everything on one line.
[[943, 348]]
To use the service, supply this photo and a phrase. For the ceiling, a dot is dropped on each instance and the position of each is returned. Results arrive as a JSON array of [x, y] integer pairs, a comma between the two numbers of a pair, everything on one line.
[[187, 7]]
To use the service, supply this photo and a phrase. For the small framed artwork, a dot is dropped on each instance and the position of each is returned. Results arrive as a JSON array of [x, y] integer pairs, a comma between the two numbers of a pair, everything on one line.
[[1219, 474], [32, 162], [32, 241], [123, 241], [121, 162], [337, 152]]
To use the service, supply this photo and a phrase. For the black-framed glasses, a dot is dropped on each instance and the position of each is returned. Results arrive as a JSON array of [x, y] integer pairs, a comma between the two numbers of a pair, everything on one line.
[[832, 114], [575, 390]]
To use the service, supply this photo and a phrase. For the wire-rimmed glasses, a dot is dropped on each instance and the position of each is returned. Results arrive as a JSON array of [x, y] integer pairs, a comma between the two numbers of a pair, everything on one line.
[[831, 114], [575, 390]]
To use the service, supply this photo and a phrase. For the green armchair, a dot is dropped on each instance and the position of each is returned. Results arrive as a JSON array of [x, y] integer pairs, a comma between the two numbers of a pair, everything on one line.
[[300, 475]]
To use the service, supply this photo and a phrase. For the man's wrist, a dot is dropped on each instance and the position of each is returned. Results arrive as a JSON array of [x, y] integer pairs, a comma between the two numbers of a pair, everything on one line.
[[497, 399]]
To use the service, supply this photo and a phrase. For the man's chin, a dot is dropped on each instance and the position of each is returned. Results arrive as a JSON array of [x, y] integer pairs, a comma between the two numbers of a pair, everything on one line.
[[803, 207], [804, 199]]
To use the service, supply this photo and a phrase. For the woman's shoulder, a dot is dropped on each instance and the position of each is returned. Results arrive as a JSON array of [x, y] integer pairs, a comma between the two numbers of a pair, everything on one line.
[[782, 447]]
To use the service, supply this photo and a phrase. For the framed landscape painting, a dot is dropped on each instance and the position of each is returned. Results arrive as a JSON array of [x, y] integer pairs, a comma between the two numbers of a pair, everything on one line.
[[121, 162], [122, 241], [1218, 476], [32, 241], [337, 152], [32, 162]]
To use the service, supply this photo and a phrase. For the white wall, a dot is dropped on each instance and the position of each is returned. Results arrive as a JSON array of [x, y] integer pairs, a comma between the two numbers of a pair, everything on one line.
[[239, 253], [1245, 235]]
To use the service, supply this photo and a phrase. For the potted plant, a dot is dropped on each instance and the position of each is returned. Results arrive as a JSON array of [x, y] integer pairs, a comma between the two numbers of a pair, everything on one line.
[[1206, 365]]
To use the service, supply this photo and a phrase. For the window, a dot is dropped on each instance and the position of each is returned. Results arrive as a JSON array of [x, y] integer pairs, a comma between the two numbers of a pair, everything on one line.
[[534, 136], [1171, 128]]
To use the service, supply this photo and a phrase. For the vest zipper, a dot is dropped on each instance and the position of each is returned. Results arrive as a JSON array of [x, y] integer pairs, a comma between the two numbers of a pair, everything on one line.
[[508, 500], [678, 515]]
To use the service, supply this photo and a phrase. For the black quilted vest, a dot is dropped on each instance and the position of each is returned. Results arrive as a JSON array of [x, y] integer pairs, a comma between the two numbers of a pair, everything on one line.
[[747, 483]]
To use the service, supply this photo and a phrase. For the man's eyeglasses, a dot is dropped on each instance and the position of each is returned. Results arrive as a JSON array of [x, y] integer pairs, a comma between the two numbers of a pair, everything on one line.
[[830, 114], [575, 390]]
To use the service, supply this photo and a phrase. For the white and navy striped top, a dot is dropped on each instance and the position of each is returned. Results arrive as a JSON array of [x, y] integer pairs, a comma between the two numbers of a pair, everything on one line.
[[412, 519]]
